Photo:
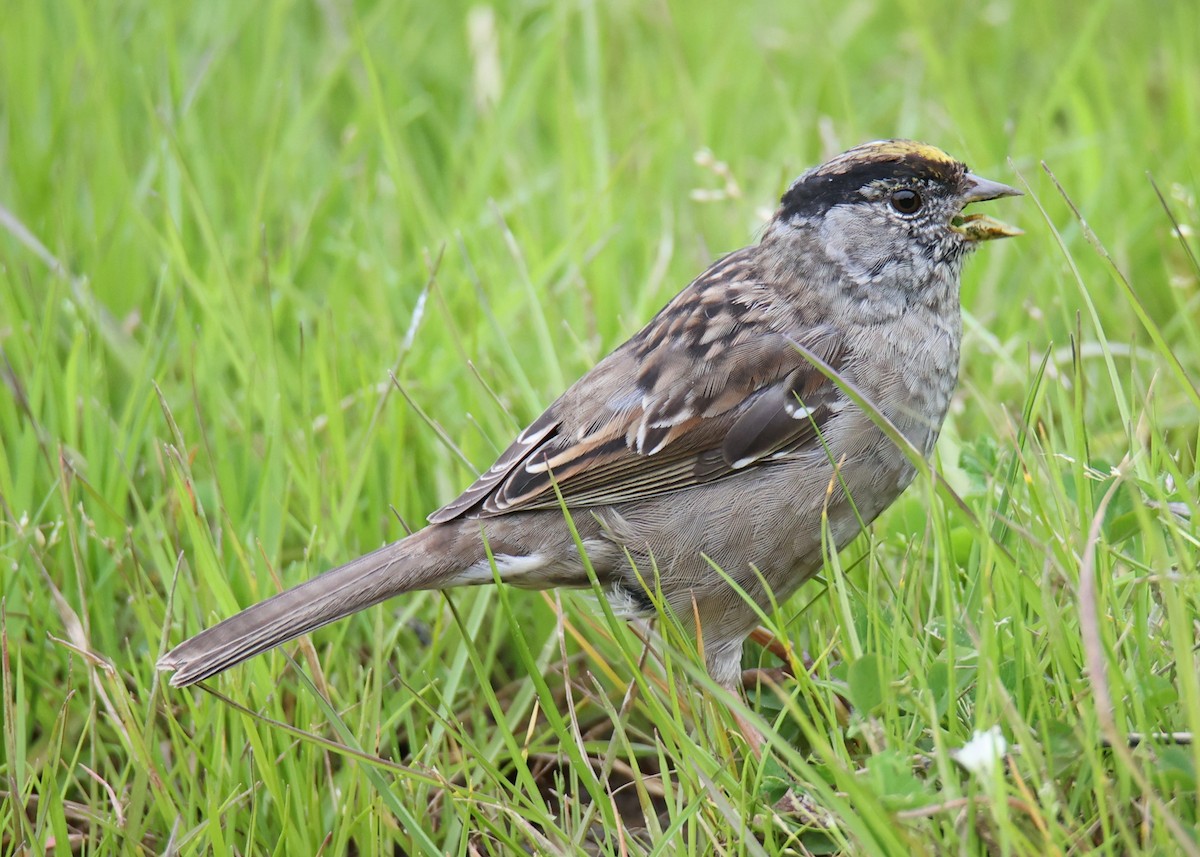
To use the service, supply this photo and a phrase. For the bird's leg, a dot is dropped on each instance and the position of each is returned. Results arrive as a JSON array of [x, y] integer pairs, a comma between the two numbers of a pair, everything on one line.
[[781, 649], [753, 738], [755, 676], [724, 665]]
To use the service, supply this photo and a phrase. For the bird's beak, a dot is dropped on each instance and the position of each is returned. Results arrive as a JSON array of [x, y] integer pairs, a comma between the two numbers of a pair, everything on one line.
[[980, 227]]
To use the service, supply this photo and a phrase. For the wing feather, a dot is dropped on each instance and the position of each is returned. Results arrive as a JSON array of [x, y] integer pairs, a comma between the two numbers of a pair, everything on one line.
[[712, 386]]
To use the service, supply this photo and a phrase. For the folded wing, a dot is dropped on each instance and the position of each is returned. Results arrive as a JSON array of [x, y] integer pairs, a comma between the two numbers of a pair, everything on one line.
[[699, 394]]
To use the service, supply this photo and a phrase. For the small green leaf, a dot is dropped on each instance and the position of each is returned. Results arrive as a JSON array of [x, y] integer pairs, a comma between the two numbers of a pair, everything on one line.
[[1176, 768], [962, 541], [979, 460], [1157, 692], [940, 684], [817, 842], [775, 782], [893, 780], [1122, 527], [866, 683]]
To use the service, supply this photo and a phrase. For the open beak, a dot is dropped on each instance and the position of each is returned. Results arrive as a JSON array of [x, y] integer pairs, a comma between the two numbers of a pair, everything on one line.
[[980, 227]]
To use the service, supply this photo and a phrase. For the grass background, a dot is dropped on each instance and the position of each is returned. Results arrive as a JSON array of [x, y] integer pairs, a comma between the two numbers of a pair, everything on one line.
[[224, 224]]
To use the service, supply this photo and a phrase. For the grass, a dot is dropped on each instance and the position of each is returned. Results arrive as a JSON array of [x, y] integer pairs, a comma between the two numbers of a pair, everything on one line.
[[224, 225]]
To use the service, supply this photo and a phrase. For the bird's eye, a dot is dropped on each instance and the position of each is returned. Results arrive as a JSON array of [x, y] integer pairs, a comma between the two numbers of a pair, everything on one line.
[[906, 201]]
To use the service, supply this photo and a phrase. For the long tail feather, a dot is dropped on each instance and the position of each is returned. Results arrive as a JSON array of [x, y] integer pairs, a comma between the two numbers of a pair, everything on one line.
[[362, 583]]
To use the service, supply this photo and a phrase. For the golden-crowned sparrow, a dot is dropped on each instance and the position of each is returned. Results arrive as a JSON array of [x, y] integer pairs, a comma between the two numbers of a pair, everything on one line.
[[712, 436]]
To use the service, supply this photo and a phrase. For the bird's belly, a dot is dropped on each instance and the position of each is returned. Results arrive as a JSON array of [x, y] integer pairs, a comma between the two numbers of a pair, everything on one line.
[[765, 528]]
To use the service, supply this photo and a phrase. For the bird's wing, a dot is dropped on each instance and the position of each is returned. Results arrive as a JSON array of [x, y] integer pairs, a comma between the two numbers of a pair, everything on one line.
[[713, 385]]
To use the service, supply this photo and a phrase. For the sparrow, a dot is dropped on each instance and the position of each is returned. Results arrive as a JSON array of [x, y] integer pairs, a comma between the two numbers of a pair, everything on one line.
[[722, 434]]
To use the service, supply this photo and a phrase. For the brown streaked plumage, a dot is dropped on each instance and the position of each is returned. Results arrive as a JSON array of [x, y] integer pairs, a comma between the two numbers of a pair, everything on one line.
[[709, 436]]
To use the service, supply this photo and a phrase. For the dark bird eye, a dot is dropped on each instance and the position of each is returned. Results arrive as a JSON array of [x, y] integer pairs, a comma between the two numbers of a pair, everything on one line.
[[906, 201]]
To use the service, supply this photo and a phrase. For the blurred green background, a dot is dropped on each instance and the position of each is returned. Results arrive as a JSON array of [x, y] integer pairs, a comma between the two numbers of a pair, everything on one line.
[[223, 224]]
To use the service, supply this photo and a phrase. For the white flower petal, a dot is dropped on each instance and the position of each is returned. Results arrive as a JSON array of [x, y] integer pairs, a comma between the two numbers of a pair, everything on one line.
[[980, 755]]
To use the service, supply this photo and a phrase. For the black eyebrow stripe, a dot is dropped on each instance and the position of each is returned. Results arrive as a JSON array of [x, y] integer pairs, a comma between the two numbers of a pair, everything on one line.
[[816, 192]]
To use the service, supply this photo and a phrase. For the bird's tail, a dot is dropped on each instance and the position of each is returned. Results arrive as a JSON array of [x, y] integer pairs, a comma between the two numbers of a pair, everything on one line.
[[402, 566]]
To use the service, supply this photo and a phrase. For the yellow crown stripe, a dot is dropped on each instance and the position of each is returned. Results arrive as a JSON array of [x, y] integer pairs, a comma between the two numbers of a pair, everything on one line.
[[905, 149]]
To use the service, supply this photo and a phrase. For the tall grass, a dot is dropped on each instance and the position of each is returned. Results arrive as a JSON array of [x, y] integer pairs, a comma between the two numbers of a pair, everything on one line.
[[225, 227]]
